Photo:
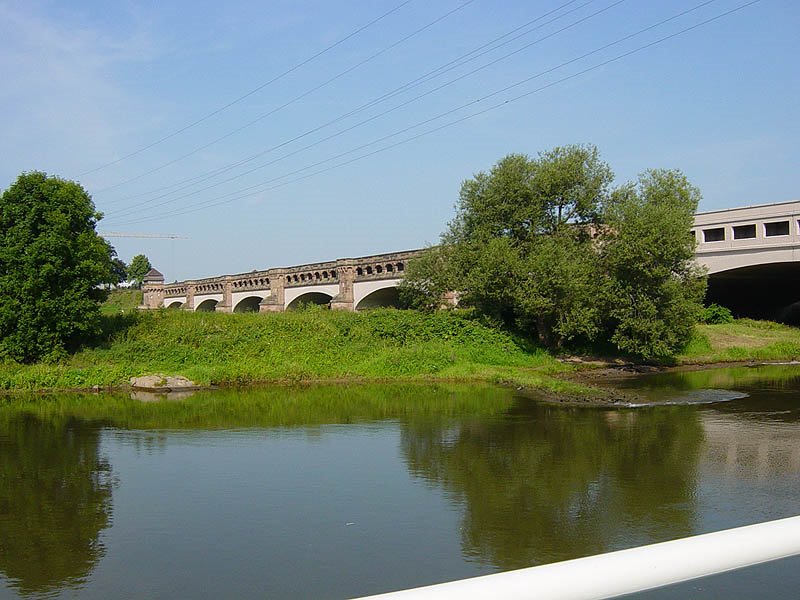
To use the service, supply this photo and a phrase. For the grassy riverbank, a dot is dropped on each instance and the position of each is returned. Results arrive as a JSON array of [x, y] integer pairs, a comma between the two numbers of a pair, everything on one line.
[[308, 345], [321, 345], [742, 340]]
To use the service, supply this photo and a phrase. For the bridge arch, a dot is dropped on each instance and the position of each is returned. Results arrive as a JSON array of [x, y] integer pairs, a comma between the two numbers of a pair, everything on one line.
[[375, 293], [731, 259], [759, 291], [248, 304], [380, 298], [312, 297], [209, 305], [175, 305]]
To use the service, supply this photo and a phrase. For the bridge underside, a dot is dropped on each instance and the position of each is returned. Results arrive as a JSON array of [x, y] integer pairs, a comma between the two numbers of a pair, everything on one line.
[[769, 291], [383, 297], [318, 298]]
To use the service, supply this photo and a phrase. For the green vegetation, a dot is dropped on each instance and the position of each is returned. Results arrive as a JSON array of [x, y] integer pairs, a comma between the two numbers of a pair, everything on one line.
[[314, 344], [544, 245], [743, 339], [308, 345], [539, 249], [655, 289], [52, 263], [138, 268], [121, 301], [317, 345], [714, 314]]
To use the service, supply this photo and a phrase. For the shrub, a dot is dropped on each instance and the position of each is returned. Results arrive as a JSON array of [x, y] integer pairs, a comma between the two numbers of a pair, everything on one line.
[[714, 314]]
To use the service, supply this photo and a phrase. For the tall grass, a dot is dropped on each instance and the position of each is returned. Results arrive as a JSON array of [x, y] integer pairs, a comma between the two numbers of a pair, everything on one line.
[[311, 344], [121, 300]]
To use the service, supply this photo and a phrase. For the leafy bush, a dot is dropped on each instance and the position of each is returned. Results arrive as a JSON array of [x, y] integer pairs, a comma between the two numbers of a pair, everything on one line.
[[52, 265], [714, 314]]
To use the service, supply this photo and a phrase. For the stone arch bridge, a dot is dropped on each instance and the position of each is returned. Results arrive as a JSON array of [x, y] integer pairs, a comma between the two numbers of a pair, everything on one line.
[[752, 256], [345, 284]]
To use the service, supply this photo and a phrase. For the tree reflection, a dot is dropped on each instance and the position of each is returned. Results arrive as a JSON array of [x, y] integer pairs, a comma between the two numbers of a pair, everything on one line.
[[547, 483], [55, 499]]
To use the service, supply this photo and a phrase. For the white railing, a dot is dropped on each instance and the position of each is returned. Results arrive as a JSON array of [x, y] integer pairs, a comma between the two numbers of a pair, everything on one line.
[[627, 571]]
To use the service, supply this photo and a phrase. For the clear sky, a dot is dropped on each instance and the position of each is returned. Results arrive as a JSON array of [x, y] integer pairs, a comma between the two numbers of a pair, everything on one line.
[[276, 99]]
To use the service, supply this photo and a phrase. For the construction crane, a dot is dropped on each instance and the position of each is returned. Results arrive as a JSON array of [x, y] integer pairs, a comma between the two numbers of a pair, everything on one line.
[[162, 236], [158, 236]]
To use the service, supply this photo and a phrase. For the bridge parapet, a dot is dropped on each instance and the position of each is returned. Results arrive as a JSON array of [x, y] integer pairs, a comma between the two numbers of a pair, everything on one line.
[[384, 266], [255, 280], [312, 274]]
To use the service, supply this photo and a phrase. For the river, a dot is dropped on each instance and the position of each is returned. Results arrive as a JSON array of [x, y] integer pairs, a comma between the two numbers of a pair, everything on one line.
[[339, 491]]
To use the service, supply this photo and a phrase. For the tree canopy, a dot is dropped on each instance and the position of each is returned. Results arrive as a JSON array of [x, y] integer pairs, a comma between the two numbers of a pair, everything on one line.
[[52, 264], [655, 287], [546, 245], [138, 268]]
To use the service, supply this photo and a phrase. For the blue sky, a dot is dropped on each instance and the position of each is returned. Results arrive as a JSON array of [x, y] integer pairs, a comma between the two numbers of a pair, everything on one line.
[[87, 83]]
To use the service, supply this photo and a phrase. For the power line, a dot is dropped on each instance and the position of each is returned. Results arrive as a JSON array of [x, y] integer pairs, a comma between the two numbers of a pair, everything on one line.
[[212, 202], [289, 102], [135, 208], [250, 93], [458, 61]]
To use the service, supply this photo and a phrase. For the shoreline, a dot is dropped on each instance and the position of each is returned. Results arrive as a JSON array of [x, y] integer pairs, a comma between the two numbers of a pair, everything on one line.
[[207, 350], [598, 379]]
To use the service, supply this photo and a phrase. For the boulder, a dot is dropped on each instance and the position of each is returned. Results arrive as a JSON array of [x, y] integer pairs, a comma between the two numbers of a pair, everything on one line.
[[163, 383]]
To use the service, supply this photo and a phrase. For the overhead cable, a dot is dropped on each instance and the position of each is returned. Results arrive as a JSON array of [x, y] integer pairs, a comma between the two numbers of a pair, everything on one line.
[[289, 102], [213, 202], [250, 93], [137, 206]]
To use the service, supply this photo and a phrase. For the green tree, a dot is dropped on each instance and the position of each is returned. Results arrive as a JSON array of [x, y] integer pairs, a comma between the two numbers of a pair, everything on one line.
[[656, 288], [52, 264], [427, 280], [499, 250], [138, 268], [557, 293], [523, 197], [545, 245]]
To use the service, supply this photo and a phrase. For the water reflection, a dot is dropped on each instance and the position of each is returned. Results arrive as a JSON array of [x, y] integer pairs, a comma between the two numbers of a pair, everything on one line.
[[669, 386], [743, 448], [265, 477], [549, 483], [55, 499], [755, 437], [270, 407]]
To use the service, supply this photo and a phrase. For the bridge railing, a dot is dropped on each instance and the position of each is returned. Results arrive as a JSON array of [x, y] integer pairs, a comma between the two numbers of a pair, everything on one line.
[[627, 571]]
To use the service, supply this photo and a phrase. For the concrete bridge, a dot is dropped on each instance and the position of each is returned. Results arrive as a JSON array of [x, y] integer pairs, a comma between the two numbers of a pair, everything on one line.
[[752, 256]]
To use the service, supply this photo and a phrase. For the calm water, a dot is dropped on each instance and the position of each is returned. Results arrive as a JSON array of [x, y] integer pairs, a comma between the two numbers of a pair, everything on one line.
[[334, 492]]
